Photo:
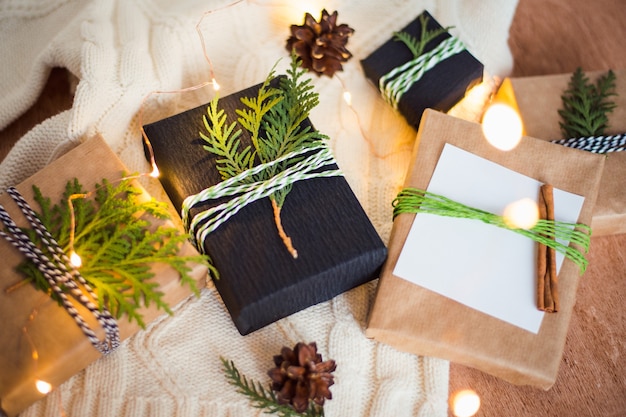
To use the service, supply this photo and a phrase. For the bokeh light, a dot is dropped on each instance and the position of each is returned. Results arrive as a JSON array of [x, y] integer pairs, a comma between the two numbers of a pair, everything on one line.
[[43, 386], [75, 260], [521, 214], [502, 126], [465, 403]]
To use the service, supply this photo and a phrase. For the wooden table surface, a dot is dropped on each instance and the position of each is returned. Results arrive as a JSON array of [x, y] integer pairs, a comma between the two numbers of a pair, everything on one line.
[[554, 37], [546, 37]]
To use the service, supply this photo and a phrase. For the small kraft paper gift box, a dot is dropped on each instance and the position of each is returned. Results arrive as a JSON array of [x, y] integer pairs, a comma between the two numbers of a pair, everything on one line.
[[464, 290], [435, 73], [260, 281], [40, 339], [538, 101]]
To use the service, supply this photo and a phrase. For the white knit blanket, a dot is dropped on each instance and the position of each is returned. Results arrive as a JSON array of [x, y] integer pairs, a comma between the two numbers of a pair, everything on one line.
[[121, 50]]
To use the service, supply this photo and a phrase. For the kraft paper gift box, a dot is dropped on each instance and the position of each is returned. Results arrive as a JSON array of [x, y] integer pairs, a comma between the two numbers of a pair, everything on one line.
[[423, 320], [440, 87], [538, 100], [62, 348], [259, 280]]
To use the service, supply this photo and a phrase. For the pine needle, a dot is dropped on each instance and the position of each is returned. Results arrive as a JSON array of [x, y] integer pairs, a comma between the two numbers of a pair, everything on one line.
[[274, 120], [417, 46], [263, 397], [117, 247]]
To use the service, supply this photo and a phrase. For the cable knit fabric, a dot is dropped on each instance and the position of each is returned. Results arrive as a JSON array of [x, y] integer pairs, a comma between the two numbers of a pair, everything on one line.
[[121, 51]]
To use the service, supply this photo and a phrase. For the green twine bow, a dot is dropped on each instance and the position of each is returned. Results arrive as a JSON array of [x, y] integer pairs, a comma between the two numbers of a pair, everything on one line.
[[546, 232], [399, 80], [244, 192]]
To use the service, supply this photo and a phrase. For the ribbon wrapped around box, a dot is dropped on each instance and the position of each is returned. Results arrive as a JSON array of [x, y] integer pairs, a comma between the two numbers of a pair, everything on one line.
[[437, 79], [259, 280], [415, 319], [62, 349], [538, 100]]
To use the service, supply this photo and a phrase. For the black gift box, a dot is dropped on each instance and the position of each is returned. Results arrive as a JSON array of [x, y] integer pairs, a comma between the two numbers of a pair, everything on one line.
[[260, 282], [440, 88]]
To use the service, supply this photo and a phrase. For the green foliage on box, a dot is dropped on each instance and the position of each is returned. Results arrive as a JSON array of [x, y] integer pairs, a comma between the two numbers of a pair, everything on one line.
[[586, 106], [117, 245]]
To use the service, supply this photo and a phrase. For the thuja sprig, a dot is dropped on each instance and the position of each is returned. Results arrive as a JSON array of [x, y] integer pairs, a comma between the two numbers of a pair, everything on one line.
[[262, 397], [586, 106], [415, 45], [274, 121], [117, 244]]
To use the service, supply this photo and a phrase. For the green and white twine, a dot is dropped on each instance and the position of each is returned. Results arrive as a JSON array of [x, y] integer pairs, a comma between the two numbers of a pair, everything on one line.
[[244, 192], [398, 81], [546, 232]]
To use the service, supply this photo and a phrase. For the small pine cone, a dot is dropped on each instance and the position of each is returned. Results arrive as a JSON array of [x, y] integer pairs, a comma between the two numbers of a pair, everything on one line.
[[300, 376], [321, 46]]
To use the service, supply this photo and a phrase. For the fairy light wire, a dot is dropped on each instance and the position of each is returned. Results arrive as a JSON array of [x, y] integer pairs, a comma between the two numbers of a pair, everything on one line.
[[75, 259], [203, 43], [155, 170], [43, 386], [74, 256], [212, 81], [347, 98]]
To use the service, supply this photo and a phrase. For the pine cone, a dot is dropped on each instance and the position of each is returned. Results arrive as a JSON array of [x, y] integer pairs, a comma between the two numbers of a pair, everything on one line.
[[301, 376], [321, 46]]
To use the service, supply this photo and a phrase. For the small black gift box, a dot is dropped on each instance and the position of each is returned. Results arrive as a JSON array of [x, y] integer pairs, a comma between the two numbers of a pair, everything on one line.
[[443, 82], [260, 282]]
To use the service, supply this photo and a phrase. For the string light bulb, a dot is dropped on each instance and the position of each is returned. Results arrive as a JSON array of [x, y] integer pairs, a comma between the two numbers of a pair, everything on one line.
[[75, 260], [521, 214], [155, 170], [74, 257], [216, 86], [43, 386], [465, 403], [502, 126], [347, 97]]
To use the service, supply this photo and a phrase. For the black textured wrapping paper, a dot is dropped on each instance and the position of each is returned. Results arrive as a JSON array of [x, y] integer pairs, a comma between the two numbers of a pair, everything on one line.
[[440, 88], [260, 282]]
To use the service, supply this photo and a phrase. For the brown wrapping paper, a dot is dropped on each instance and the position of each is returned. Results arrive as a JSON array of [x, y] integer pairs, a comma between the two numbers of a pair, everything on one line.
[[538, 100], [63, 349], [419, 321]]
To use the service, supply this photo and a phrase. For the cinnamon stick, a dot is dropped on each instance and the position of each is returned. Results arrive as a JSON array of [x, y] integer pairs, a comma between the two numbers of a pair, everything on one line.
[[547, 280], [542, 260]]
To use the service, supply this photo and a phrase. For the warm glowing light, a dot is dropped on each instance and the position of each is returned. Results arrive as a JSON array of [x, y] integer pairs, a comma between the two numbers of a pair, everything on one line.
[[43, 386], [310, 7], [155, 171], [465, 403], [521, 214], [347, 97], [294, 14], [502, 126], [75, 260], [473, 102], [216, 86]]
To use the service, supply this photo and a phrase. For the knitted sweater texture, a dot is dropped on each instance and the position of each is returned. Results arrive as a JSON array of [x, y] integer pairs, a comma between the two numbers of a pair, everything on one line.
[[120, 51]]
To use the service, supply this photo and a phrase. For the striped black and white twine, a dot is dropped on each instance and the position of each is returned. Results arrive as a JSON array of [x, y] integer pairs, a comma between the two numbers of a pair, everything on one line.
[[596, 144], [58, 274]]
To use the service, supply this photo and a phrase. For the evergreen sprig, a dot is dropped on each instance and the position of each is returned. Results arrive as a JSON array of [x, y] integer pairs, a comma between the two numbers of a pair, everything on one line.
[[416, 45], [586, 106], [117, 246], [263, 397], [274, 120]]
